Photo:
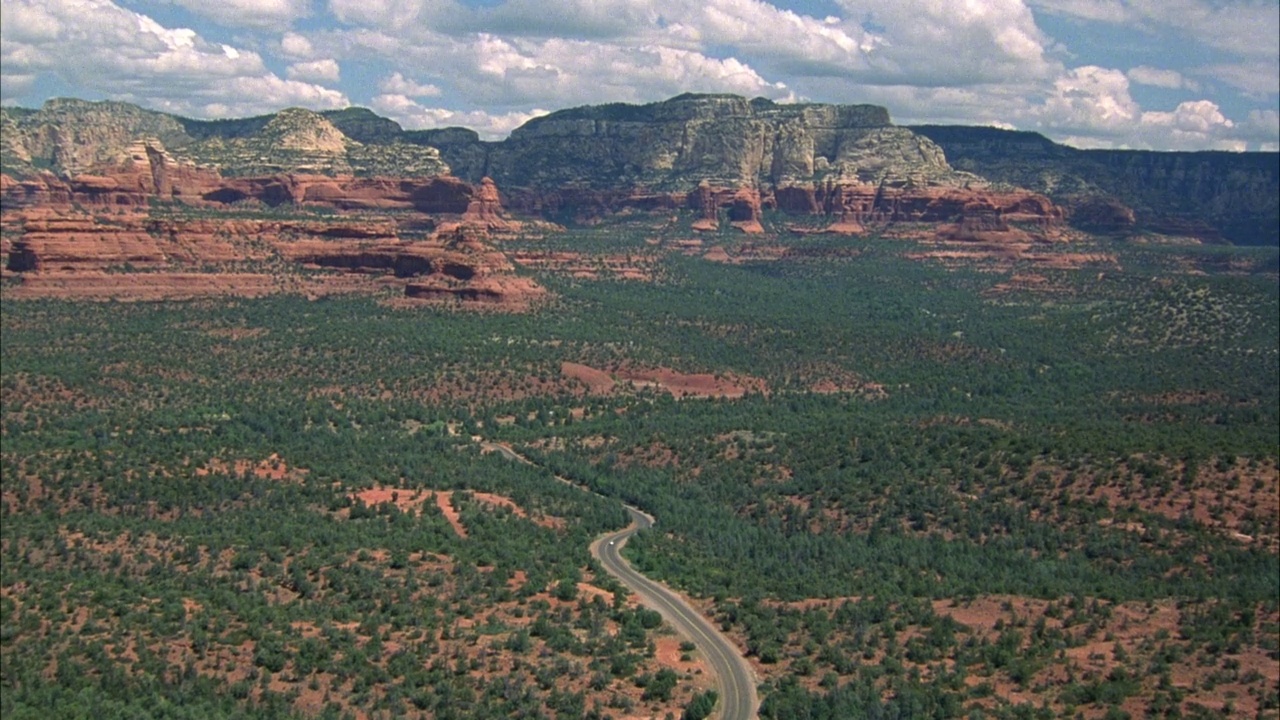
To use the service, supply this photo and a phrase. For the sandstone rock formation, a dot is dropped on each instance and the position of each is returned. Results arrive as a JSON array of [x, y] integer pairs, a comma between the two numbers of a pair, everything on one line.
[[92, 191], [848, 163], [69, 137], [82, 236], [1101, 214], [723, 156], [725, 140], [69, 254], [1210, 195]]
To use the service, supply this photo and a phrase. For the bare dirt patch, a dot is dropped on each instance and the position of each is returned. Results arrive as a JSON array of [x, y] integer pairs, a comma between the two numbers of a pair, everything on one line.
[[668, 654], [451, 514], [273, 467], [406, 500], [640, 267], [679, 385]]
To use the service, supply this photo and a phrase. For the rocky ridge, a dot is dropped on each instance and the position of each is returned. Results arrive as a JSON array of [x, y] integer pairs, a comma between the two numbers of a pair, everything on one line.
[[1213, 196], [70, 137], [108, 187], [130, 255], [580, 163], [144, 225], [599, 158]]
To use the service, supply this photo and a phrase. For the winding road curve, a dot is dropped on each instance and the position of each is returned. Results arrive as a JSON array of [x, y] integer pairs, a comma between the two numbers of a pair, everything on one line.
[[735, 682]]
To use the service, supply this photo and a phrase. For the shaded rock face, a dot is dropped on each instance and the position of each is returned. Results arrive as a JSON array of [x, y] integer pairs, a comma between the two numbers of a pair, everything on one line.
[[742, 207], [447, 195], [1210, 195], [1101, 214], [855, 207], [504, 292]]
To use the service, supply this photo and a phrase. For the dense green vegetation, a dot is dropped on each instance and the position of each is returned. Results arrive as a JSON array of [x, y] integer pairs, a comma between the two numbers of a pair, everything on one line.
[[978, 444]]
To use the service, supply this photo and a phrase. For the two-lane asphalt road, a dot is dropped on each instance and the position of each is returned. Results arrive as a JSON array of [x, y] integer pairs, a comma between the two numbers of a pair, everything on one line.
[[734, 680], [736, 687]]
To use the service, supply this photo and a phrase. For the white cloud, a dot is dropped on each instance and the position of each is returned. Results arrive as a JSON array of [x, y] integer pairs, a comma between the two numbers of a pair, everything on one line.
[[953, 42], [399, 14], [14, 86], [514, 73], [573, 19], [1194, 125], [1158, 77], [1248, 28], [29, 22], [249, 13], [1248, 31], [296, 46], [1090, 98], [760, 31], [397, 84], [128, 56], [245, 96], [414, 116], [576, 71], [952, 61], [1254, 78], [1091, 106], [319, 71], [1200, 116], [1261, 130]]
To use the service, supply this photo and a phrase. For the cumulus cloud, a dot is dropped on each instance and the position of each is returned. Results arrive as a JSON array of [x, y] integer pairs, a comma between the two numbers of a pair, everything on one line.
[[513, 73], [298, 47], [1090, 98], [985, 42], [397, 84], [942, 42], [941, 61], [1091, 106], [319, 71], [574, 71], [129, 56], [1249, 30], [414, 116], [244, 96], [1199, 116]]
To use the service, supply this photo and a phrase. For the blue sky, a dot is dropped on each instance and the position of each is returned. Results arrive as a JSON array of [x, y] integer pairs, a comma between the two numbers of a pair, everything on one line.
[[1159, 74]]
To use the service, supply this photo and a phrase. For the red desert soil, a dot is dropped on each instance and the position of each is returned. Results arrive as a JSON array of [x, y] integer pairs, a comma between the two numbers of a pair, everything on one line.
[[599, 381], [407, 499], [680, 385], [1237, 498], [1096, 629], [668, 654], [272, 468]]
